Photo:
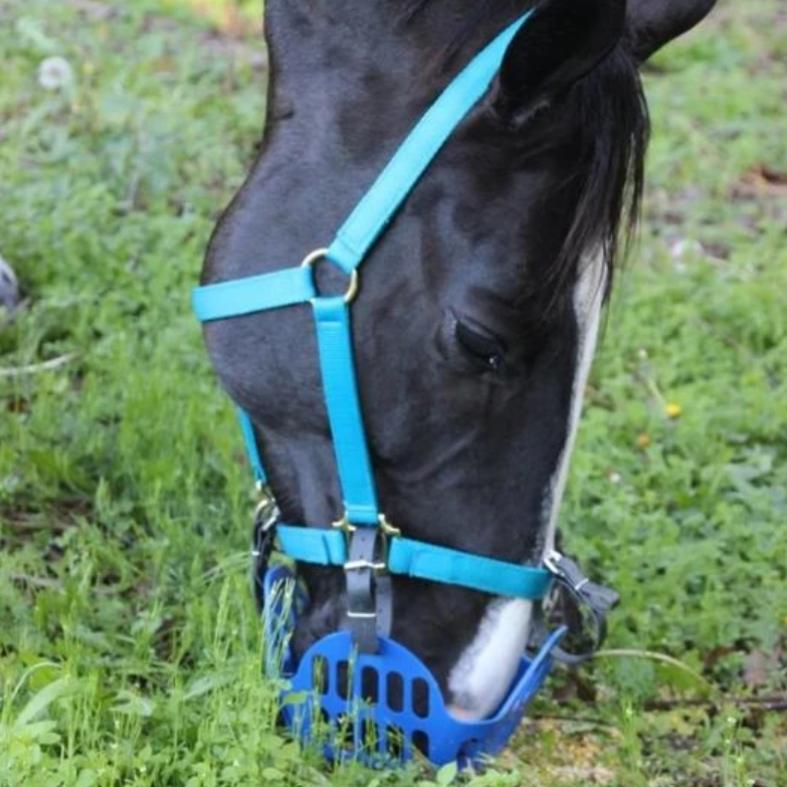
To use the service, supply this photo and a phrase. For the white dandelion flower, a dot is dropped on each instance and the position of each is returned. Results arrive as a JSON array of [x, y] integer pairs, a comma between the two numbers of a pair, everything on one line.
[[55, 73]]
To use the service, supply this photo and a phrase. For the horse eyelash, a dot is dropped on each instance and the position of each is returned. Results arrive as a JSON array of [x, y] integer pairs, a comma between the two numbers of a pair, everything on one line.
[[487, 349]]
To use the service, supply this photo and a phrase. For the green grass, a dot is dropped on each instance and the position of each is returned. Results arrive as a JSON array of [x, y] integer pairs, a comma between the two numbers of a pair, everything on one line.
[[129, 648]]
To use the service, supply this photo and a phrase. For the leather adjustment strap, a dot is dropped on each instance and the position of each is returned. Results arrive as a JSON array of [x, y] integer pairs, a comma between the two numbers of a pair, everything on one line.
[[368, 589], [583, 595]]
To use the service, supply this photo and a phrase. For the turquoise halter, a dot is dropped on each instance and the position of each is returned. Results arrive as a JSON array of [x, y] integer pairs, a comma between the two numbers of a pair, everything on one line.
[[292, 286], [363, 542]]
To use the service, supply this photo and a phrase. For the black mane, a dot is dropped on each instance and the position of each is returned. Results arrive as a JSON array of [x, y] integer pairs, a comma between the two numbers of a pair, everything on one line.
[[615, 128], [613, 117]]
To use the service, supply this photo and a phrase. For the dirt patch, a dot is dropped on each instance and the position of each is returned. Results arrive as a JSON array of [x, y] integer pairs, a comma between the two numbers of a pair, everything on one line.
[[94, 10], [761, 181]]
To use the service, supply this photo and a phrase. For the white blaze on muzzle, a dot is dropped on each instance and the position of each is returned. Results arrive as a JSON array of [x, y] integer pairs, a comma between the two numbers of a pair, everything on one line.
[[484, 671]]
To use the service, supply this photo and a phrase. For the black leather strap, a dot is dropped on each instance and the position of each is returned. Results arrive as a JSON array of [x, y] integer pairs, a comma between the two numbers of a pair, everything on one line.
[[369, 590], [581, 605], [359, 574], [384, 602], [369, 596]]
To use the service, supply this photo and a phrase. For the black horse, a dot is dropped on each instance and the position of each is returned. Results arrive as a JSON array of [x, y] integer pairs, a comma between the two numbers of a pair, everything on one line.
[[480, 305]]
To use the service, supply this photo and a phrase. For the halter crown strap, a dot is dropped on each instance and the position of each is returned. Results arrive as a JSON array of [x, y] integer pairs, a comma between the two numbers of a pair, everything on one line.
[[365, 224]]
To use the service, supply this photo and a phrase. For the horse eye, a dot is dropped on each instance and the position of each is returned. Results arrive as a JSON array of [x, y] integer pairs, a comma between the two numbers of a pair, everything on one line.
[[483, 347]]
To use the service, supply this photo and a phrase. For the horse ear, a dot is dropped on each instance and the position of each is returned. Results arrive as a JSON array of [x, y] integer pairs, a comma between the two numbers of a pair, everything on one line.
[[561, 42], [654, 23]]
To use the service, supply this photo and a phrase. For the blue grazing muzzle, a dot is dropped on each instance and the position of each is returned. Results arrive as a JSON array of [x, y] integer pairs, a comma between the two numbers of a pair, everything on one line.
[[372, 696], [380, 705]]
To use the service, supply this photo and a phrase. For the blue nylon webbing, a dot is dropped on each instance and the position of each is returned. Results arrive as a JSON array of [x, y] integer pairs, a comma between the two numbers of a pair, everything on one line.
[[404, 170], [253, 294], [252, 447], [422, 561], [313, 545], [296, 285], [334, 340], [427, 561]]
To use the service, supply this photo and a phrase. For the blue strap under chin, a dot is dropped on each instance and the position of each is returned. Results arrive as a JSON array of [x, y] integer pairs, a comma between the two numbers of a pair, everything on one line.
[[293, 286]]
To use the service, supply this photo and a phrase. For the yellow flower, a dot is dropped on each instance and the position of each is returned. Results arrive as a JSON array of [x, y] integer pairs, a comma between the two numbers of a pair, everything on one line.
[[673, 410], [644, 440]]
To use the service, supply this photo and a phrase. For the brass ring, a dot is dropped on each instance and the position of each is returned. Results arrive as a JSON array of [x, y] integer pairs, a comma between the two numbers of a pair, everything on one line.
[[319, 254]]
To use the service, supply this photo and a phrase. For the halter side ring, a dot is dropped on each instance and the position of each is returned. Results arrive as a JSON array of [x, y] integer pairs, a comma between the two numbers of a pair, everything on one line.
[[311, 260]]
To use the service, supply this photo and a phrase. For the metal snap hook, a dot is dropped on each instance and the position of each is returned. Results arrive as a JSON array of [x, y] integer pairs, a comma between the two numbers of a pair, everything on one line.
[[311, 260]]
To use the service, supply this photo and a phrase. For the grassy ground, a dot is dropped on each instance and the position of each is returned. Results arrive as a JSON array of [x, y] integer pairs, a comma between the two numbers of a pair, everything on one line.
[[129, 649]]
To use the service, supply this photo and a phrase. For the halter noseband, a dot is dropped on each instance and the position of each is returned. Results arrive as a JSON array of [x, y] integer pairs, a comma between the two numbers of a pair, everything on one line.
[[363, 542]]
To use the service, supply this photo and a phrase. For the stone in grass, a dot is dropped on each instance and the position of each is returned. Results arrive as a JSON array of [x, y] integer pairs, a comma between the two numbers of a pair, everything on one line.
[[9, 287]]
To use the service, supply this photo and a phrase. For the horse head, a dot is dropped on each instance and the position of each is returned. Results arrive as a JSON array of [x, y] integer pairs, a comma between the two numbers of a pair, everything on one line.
[[480, 307]]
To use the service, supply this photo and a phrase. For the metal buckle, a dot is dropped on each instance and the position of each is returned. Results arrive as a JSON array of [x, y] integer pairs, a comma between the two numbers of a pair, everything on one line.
[[357, 565], [368, 552], [311, 260], [266, 515], [387, 528], [552, 564], [344, 525]]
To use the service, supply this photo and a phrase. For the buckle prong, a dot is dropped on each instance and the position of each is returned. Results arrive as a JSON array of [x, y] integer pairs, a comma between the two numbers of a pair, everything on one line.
[[344, 525], [551, 563], [387, 528], [359, 565]]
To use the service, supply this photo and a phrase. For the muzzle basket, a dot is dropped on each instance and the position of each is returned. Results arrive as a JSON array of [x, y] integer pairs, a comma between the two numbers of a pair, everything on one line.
[[381, 707]]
